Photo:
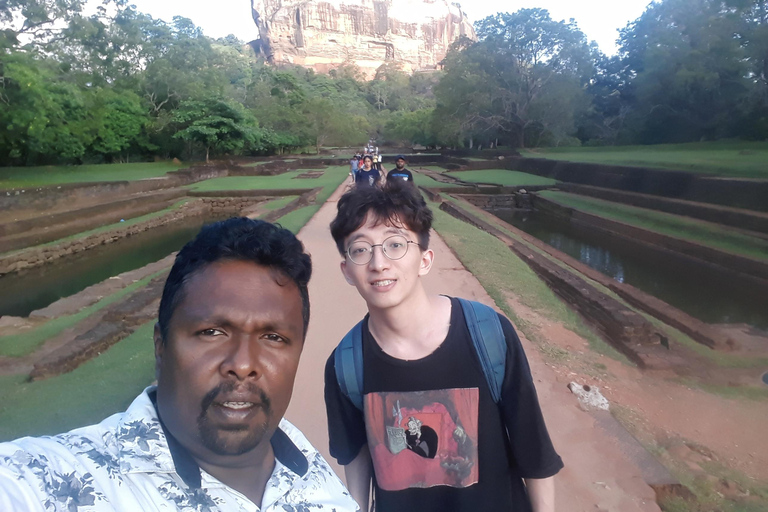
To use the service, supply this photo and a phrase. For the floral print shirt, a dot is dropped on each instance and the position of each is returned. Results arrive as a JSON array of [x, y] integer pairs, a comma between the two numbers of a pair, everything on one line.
[[127, 463]]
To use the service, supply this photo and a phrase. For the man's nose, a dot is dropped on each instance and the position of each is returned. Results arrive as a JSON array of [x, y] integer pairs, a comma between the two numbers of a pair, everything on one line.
[[378, 259], [242, 358]]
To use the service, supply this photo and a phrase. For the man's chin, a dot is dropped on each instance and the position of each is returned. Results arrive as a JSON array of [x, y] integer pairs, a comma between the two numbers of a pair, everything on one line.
[[232, 444], [232, 441]]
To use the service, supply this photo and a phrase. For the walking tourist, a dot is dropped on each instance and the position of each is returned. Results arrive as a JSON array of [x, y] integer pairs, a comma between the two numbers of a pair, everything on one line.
[[367, 175], [400, 172], [410, 401], [210, 435], [354, 163]]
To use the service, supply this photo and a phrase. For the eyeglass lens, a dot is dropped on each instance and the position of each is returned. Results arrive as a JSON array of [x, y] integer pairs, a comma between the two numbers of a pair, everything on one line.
[[393, 247]]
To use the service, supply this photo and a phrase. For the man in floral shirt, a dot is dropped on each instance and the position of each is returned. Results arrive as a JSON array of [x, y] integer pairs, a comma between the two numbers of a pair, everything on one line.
[[211, 435]]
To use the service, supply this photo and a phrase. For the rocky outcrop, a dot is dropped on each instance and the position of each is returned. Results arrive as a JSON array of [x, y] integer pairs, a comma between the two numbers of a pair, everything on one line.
[[323, 34]]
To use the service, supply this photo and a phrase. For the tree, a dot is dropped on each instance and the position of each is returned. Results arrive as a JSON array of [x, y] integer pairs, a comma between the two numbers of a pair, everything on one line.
[[688, 71], [218, 125]]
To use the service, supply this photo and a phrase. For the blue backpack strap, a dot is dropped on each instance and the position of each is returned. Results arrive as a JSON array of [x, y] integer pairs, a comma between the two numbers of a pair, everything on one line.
[[489, 342], [348, 362]]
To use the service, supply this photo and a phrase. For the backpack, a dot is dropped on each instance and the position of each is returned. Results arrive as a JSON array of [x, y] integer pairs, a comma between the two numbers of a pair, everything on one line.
[[487, 338]]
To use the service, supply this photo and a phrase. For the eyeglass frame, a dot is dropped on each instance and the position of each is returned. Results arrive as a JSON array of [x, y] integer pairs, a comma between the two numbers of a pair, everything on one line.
[[383, 251]]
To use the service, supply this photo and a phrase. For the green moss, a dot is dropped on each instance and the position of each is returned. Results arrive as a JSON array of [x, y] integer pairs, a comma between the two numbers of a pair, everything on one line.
[[666, 223], [90, 393]]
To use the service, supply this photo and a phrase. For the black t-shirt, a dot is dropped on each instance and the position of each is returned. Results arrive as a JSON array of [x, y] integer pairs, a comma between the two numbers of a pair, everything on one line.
[[436, 437], [400, 174], [364, 177]]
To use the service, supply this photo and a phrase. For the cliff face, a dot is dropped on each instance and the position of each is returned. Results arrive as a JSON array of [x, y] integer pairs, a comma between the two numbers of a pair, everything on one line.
[[323, 34]]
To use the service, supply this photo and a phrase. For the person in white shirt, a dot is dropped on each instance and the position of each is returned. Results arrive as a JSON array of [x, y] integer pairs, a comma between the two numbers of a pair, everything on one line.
[[211, 435]]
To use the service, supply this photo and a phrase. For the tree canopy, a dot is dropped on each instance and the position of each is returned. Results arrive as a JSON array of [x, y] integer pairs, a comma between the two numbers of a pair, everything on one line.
[[116, 84]]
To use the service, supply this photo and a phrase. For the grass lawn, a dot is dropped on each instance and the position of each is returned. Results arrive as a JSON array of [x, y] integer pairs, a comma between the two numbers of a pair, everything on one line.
[[18, 177], [331, 176], [95, 390], [725, 158], [667, 224], [503, 177]]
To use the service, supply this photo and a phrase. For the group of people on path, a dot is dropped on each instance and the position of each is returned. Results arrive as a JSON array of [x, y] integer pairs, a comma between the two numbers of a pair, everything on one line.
[[430, 400], [367, 170]]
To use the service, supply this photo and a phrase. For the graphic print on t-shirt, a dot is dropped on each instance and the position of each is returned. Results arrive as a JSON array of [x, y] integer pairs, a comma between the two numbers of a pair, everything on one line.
[[423, 438]]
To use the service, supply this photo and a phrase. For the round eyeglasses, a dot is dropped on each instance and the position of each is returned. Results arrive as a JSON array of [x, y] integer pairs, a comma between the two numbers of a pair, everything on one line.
[[394, 248]]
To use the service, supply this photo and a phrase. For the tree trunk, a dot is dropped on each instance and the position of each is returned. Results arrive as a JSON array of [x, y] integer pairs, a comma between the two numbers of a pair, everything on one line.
[[207, 152]]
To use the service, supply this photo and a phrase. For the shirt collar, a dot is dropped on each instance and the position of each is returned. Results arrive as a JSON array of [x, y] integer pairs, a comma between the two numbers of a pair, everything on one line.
[[146, 446]]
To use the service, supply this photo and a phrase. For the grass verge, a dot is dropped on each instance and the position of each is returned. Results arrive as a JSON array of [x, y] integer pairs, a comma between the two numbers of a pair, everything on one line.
[[666, 224], [95, 390], [17, 177]]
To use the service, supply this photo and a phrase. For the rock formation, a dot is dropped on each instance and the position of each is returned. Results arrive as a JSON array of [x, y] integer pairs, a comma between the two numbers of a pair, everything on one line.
[[323, 34]]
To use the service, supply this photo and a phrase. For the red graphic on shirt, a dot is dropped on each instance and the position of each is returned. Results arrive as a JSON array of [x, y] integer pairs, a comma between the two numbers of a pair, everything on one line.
[[423, 438]]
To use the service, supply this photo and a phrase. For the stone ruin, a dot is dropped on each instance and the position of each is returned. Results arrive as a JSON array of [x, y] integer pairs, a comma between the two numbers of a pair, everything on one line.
[[324, 34]]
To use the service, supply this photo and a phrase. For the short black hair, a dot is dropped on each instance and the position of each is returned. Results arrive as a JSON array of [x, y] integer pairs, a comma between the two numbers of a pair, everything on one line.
[[238, 238], [397, 202]]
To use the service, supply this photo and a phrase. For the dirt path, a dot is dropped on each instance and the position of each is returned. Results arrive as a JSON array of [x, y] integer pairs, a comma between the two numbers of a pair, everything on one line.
[[598, 476]]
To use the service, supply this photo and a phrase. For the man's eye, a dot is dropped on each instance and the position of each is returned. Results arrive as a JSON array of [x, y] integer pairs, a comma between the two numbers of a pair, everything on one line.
[[358, 250], [275, 337], [396, 245], [211, 332]]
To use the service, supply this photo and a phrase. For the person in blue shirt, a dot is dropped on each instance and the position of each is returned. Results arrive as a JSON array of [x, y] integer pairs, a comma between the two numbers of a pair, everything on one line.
[[367, 175]]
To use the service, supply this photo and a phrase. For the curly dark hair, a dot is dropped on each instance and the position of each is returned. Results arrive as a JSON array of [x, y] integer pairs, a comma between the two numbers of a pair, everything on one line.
[[237, 238], [397, 202]]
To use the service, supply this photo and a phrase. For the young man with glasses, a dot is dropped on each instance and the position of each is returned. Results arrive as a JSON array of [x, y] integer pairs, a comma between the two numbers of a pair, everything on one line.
[[417, 415]]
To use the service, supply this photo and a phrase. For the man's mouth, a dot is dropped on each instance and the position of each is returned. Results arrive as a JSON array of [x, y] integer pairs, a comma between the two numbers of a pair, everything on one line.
[[383, 282], [238, 405]]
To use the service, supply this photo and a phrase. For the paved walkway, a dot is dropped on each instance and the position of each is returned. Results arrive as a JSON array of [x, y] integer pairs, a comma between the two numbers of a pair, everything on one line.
[[598, 476]]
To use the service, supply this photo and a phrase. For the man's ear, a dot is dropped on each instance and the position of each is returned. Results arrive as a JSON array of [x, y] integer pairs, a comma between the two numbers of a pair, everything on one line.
[[159, 350], [343, 267], [427, 259]]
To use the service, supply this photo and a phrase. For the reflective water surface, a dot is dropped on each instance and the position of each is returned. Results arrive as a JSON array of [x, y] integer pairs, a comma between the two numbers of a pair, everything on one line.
[[700, 290], [22, 293]]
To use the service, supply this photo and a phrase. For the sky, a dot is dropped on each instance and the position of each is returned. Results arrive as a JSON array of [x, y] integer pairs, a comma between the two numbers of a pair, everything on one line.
[[600, 20]]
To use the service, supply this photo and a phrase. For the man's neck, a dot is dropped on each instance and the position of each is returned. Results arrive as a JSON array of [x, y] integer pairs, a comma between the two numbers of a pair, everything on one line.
[[414, 328], [250, 479]]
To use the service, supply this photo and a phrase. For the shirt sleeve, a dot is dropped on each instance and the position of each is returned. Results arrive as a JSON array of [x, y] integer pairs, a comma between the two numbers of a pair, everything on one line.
[[346, 423], [18, 489], [531, 446]]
